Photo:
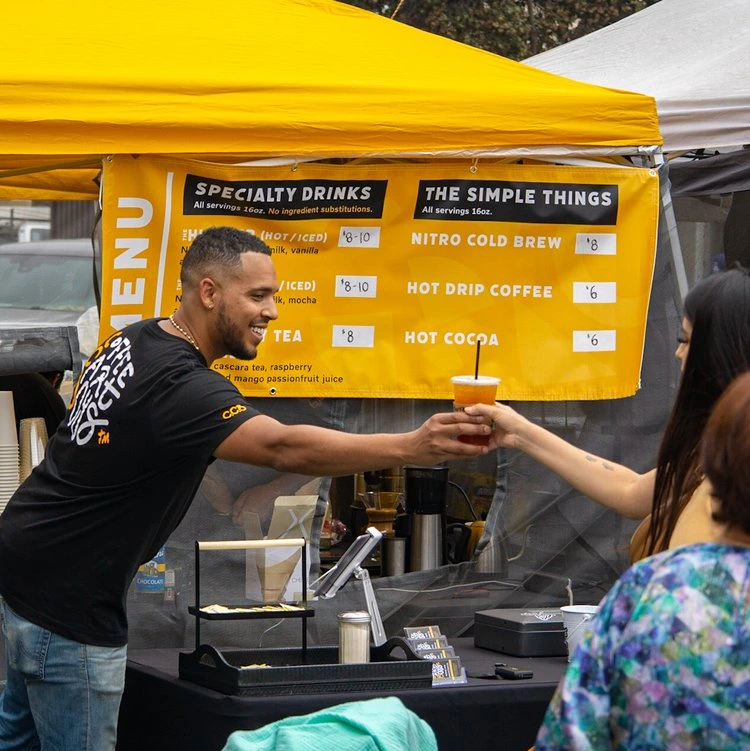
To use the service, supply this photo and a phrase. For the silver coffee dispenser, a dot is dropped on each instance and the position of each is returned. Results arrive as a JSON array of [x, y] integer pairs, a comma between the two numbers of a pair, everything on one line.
[[425, 496]]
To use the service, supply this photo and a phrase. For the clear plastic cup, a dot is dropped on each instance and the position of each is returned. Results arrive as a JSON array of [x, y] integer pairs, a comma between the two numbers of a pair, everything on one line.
[[468, 390], [577, 620]]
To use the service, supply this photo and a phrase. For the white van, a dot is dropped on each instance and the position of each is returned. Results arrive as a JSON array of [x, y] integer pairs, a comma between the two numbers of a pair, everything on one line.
[[50, 283], [33, 231]]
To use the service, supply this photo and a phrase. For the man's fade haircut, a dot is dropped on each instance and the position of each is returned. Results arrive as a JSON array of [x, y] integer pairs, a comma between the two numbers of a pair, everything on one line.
[[218, 249]]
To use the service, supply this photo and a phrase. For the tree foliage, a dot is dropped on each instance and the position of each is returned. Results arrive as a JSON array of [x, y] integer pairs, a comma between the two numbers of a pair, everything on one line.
[[515, 29]]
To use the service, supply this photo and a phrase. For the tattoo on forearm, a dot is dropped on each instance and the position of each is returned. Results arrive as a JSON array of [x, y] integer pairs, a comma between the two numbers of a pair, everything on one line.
[[597, 460]]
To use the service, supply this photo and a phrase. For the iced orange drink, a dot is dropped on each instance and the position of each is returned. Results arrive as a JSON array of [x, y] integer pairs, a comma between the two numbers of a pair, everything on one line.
[[467, 390]]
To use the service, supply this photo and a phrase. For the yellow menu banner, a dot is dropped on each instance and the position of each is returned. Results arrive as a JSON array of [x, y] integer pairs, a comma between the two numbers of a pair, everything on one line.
[[391, 275]]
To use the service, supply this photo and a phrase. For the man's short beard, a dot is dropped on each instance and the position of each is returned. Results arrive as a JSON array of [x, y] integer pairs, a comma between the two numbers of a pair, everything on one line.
[[242, 354], [234, 344]]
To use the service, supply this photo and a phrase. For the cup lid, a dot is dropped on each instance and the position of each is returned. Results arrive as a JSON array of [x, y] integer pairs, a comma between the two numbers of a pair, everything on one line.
[[354, 616], [579, 608], [482, 379]]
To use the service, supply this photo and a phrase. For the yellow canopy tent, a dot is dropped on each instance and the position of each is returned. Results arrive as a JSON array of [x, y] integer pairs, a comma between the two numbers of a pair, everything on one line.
[[243, 80], [269, 78]]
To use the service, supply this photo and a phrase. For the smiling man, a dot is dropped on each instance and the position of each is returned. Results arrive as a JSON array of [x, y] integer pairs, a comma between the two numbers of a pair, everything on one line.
[[148, 416]]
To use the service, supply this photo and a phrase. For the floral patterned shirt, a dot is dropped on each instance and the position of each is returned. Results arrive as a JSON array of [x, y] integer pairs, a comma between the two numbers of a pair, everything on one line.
[[667, 662]]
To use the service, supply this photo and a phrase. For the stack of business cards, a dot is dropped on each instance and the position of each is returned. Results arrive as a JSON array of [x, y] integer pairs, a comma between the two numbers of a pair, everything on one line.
[[429, 644]]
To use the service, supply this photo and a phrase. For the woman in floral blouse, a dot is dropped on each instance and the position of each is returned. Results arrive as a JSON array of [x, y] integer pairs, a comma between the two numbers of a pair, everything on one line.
[[667, 663]]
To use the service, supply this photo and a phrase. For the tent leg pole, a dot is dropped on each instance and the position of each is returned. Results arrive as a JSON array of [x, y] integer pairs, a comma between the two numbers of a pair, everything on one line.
[[680, 281], [678, 263]]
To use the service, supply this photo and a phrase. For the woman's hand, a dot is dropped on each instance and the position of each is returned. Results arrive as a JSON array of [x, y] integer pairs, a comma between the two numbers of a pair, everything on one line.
[[506, 423]]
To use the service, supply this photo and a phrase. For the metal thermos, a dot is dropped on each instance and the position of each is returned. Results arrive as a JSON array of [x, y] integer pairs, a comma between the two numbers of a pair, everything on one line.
[[426, 494], [426, 542], [393, 552]]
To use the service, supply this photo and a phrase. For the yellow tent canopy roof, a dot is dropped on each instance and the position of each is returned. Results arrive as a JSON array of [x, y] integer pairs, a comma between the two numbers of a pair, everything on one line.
[[267, 78]]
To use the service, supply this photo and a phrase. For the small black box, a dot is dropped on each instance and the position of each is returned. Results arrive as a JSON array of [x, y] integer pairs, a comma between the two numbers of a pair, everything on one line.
[[523, 632]]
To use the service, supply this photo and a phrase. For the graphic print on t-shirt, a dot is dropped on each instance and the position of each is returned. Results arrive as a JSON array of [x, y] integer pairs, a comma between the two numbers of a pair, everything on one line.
[[101, 385]]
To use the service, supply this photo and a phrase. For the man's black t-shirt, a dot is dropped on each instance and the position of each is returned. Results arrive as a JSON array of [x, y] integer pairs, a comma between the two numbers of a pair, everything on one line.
[[117, 478]]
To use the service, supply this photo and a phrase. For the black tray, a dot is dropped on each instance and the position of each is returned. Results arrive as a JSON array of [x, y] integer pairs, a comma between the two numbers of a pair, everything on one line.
[[292, 671], [303, 612]]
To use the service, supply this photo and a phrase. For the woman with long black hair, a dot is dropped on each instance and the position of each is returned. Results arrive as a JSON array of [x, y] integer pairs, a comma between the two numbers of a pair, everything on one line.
[[673, 500]]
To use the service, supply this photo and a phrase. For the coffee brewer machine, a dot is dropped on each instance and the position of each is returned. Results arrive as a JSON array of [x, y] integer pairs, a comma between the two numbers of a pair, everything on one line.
[[425, 497]]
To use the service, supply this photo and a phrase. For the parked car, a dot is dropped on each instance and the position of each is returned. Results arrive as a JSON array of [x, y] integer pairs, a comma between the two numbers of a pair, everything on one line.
[[50, 283]]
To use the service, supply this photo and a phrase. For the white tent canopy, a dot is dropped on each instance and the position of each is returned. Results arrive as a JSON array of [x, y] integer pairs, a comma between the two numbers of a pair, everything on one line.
[[692, 56]]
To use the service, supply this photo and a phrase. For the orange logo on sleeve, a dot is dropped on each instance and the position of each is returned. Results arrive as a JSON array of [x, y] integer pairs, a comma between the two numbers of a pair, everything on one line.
[[237, 409]]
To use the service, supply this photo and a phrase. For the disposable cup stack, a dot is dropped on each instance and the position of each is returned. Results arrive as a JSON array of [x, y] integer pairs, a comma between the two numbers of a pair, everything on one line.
[[9, 467], [32, 441]]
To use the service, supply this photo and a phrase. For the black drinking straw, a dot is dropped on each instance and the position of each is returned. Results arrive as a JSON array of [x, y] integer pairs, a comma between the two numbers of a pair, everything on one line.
[[476, 364]]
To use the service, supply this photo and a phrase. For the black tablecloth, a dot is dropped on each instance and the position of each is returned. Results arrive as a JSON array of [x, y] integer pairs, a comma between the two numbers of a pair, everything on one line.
[[160, 711]]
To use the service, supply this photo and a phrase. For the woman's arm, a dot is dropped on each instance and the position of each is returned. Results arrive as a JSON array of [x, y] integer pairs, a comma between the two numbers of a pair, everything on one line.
[[605, 482]]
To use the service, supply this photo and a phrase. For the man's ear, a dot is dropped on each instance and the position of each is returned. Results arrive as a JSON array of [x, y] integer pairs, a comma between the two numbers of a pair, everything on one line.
[[207, 291]]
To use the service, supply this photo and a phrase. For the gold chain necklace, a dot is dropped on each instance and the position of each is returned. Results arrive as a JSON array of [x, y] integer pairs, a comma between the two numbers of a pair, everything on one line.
[[183, 332]]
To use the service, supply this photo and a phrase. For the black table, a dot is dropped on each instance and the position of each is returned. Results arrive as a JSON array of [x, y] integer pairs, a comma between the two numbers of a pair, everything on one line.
[[160, 711]]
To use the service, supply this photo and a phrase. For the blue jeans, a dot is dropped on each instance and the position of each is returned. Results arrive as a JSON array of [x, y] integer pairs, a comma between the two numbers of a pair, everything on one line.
[[60, 695]]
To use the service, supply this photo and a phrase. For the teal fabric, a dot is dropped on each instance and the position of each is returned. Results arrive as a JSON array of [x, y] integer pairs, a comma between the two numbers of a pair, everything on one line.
[[374, 725]]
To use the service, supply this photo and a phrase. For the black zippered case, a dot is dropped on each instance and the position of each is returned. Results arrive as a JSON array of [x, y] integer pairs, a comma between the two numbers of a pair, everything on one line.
[[523, 632]]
